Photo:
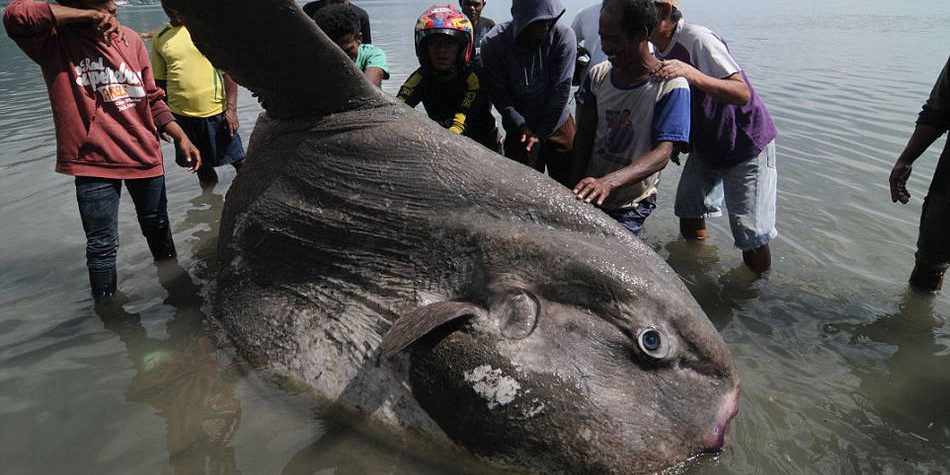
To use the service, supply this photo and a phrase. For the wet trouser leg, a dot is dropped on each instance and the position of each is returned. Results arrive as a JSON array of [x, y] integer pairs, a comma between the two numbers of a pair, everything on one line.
[[933, 242], [98, 200], [148, 194]]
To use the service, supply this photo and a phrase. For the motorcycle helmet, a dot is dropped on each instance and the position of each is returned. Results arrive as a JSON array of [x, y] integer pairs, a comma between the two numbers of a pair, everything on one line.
[[444, 20]]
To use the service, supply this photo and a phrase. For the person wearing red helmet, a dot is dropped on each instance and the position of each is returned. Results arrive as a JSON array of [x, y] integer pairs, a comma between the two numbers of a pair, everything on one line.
[[445, 83]]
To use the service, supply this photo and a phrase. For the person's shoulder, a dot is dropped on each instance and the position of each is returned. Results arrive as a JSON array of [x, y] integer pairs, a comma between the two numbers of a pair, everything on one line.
[[359, 11], [670, 85], [414, 79], [312, 7], [498, 30], [163, 33], [369, 48], [562, 29], [473, 78], [488, 22], [600, 73], [564, 34], [589, 11], [697, 33]]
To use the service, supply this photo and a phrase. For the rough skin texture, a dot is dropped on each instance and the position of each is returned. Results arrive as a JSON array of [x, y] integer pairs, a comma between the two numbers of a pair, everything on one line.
[[354, 212]]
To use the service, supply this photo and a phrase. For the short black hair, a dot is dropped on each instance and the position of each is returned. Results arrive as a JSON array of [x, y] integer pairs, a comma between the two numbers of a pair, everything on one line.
[[676, 15], [637, 15], [337, 21]]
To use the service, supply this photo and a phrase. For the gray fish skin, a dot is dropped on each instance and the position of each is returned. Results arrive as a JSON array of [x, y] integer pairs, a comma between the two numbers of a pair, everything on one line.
[[508, 311]]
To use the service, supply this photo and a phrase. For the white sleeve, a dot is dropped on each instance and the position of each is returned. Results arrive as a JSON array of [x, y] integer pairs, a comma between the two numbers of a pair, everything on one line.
[[712, 57]]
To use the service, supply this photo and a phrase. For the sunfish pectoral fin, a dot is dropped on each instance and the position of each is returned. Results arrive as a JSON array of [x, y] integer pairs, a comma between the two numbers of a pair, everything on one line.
[[423, 320]]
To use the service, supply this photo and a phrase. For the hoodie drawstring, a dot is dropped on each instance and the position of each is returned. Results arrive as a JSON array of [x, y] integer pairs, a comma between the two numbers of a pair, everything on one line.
[[540, 67]]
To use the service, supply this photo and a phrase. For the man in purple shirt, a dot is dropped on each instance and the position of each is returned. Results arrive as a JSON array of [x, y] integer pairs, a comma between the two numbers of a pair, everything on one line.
[[732, 139]]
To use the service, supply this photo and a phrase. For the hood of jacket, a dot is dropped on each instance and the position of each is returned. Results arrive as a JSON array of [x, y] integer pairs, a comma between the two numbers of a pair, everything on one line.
[[525, 12]]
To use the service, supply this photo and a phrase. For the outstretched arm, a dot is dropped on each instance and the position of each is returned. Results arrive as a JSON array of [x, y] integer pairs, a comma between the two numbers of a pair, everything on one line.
[[591, 188], [732, 89]]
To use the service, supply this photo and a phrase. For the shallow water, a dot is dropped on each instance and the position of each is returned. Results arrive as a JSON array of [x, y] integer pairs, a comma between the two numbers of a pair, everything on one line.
[[843, 371]]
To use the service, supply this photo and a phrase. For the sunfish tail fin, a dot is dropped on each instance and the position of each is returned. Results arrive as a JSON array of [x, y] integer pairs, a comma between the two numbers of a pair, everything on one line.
[[276, 51]]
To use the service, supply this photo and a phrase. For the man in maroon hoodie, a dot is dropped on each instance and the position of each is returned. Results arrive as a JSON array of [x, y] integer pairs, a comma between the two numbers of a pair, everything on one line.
[[107, 112]]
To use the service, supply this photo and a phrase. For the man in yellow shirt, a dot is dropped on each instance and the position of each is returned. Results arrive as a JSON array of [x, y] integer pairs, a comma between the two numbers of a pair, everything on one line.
[[202, 98]]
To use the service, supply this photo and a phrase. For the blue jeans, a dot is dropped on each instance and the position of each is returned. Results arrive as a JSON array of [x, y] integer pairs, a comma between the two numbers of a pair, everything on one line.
[[633, 219], [748, 189], [98, 208]]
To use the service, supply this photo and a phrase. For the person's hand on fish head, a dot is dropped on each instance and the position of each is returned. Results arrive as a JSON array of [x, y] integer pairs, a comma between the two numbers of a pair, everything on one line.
[[591, 188]]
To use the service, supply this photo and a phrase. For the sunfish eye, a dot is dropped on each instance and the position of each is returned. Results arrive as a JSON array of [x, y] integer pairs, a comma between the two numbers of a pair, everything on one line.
[[651, 342], [517, 313]]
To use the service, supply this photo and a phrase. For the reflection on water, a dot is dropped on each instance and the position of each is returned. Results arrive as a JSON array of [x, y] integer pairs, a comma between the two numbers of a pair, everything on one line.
[[720, 293], [908, 388], [181, 379]]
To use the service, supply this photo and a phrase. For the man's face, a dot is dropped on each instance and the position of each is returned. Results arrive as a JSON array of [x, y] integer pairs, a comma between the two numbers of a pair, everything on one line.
[[443, 52], [663, 11], [622, 50], [350, 44], [537, 31], [472, 9]]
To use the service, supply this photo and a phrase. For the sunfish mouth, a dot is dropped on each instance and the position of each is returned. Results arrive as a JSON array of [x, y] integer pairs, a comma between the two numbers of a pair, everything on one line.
[[716, 440]]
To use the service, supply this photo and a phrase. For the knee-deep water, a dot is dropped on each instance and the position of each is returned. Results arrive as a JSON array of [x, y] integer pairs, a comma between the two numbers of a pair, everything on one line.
[[843, 370]]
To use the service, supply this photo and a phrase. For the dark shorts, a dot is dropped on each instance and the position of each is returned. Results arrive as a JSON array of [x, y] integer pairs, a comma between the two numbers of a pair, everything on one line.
[[933, 243], [210, 135], [633, 219]]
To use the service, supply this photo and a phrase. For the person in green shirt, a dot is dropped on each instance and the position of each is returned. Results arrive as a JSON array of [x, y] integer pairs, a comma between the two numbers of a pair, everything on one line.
[[202, 99], [341, 23]]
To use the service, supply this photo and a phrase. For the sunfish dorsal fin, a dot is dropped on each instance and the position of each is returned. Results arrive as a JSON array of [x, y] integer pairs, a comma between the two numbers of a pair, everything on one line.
[[275, 50]]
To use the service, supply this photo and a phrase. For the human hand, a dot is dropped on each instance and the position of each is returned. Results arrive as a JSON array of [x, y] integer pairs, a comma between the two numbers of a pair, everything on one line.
[[898, 180], [529, 139], [674, 68], [231, 117], [107, 24], [192, 156], [675, 156], [590, 188]]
